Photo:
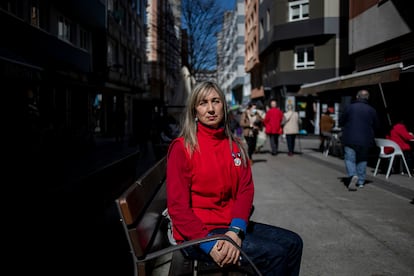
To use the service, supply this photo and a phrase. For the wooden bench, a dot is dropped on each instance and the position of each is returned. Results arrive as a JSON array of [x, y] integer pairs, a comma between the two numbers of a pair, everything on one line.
[[141, 209]]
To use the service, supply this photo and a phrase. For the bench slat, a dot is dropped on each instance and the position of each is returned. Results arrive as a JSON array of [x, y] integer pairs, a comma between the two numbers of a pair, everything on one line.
[[136, 198]]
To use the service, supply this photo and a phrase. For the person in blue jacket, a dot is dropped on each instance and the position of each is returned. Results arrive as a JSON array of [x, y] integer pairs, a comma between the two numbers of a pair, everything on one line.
[[359, 123]]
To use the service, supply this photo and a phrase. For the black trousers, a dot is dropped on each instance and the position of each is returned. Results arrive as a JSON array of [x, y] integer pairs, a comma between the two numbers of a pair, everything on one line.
[[251, 145]]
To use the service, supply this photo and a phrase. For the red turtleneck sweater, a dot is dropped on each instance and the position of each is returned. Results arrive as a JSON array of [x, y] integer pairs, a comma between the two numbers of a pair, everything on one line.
[[207, 190]]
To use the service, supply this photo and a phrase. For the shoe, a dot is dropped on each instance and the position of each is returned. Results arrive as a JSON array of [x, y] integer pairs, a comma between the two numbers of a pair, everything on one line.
[[290, 154], [352, 183], [360, 186]]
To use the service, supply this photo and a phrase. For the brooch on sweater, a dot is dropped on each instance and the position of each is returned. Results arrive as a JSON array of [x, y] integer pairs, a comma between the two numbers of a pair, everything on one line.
[[236, 158]]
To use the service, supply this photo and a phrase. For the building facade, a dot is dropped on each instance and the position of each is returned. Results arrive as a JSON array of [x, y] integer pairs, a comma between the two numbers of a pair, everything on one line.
[[382, 60], [163, 47], [252, 63], [123, 85], [48, 58], [231, 75], [165, 74], [85, 72], [301, 41]]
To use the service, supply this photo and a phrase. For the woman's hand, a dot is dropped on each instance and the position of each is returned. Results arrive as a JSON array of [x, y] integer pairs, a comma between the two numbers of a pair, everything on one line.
[[225, 253]]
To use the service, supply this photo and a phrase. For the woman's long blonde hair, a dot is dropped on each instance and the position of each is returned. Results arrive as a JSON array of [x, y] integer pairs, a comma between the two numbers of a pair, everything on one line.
[[189, 122]]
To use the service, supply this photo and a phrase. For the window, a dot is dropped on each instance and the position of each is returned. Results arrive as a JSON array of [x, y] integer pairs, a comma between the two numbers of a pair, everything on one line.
[[133, 30], [304, 57], [122, 56], [64, 29], [261, 31], [110, 53], [139, 4], [268, 20], [298, 10], [84, 39], [10, 6], [34, 14], [122, 16]]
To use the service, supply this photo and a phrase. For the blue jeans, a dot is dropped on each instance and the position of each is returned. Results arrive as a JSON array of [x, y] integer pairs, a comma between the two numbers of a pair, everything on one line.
[[274, 250], [355, 158]]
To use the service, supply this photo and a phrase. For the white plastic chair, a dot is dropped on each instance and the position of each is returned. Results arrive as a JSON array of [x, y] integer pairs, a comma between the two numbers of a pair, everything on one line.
[[382, 143]]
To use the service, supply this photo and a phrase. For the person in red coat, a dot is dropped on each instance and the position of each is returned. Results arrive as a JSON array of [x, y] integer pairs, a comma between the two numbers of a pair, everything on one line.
[[273, 125], [210, 190], [400, 135]]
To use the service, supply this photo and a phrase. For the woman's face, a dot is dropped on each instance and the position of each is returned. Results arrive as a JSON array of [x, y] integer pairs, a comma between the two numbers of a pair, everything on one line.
[[210, 109]]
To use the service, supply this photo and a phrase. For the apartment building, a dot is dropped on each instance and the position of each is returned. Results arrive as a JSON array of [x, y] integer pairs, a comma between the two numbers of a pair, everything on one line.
[[252, 63], [301, 41], [165, 75], [72, 68], [124, 83], [163, 48], [231, 75], [381, 48], [47, 59]]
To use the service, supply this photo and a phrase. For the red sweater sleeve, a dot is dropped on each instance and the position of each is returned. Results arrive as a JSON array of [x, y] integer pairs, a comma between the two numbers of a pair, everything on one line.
[[186, 224]]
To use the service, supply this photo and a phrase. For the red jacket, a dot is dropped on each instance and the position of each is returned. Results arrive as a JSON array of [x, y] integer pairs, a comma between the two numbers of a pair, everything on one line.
[[273, 120], [207, 190]]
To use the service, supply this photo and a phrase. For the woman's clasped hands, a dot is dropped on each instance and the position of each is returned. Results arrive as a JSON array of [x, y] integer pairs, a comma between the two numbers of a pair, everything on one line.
[[225, 253]]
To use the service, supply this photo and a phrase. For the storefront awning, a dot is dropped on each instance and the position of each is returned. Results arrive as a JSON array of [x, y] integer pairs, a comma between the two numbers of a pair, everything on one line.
[[388, 73]]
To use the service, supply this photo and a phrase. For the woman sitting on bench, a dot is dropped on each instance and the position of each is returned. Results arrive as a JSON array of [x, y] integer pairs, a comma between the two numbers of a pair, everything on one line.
[[210, 191]]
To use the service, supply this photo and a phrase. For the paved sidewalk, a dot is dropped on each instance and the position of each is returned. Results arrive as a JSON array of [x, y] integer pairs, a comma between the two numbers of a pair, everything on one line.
[[365, 232], [368, 232], [399, 184]]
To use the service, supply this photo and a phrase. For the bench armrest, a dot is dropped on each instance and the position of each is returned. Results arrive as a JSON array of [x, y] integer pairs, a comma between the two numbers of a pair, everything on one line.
[[185, 244]]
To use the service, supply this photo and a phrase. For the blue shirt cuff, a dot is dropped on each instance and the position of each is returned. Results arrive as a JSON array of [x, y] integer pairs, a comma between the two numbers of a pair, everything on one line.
[[207, 246], [237, 222]]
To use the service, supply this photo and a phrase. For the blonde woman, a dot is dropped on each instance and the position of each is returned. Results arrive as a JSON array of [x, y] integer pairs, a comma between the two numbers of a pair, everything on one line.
[[210, 190]]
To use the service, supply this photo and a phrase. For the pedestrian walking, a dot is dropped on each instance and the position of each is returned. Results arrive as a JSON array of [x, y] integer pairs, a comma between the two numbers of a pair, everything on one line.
[[359, 123], [261, 136], [291, 128], [325, 126], [251, 122], [272, 123]]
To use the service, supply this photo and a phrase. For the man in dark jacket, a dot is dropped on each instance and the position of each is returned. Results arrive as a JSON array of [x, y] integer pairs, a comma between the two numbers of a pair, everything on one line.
[[359, 124]]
